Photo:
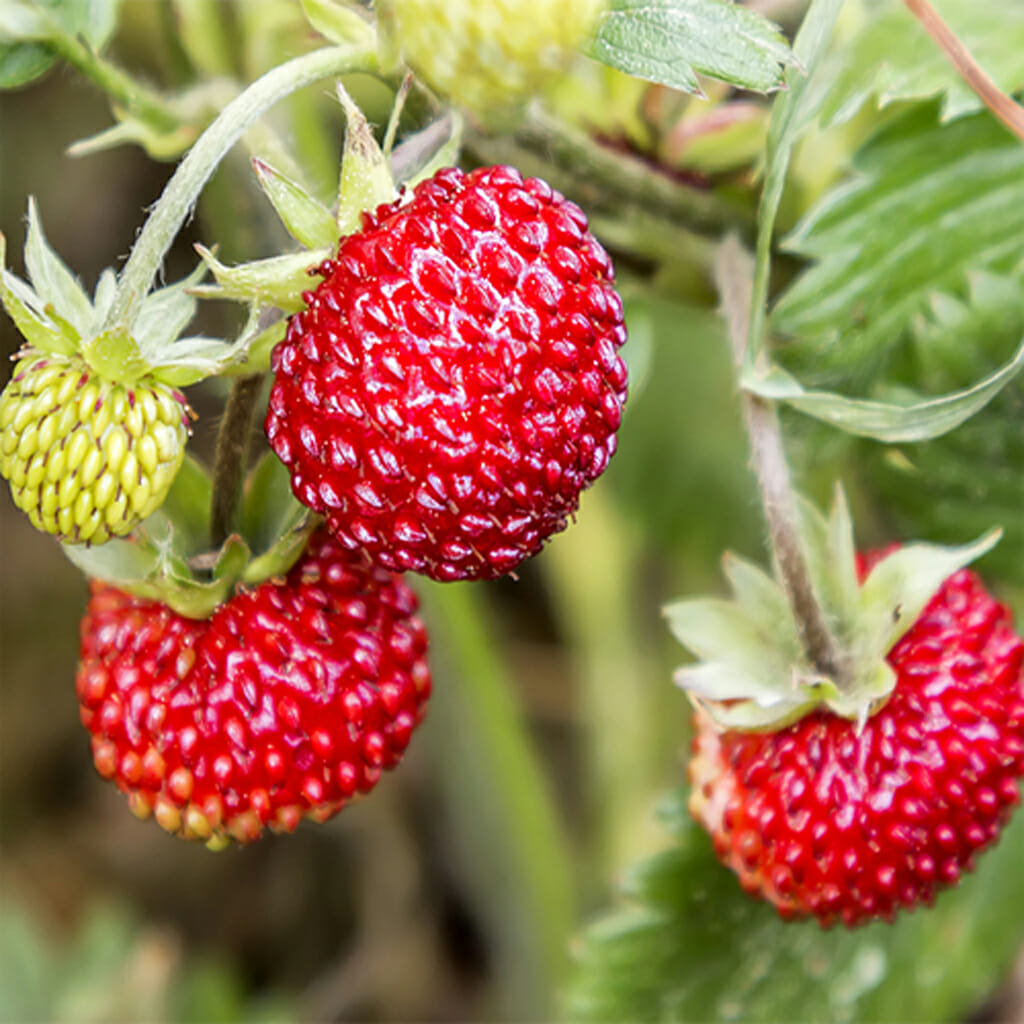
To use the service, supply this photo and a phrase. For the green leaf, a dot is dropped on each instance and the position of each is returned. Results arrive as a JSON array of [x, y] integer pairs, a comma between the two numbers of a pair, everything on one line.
[[23, 63], [670, 41], [903, 229], [306, 219], [186, 509], [893, 58], [687, 944], [884, 421]]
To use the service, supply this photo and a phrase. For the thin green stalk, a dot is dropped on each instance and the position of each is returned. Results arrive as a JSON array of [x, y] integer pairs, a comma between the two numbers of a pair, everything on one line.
[[124, 90], [510, 850], [231, 456], [627, 735], [570, 158], [788, 119], [188, 180]]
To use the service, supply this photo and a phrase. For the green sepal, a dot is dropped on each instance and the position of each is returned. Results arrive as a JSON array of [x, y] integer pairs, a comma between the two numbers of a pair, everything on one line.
[[28, 311], [366, 180], [165, 313], [278, 281], [158, 142], [883, 421], [340, 23], [259, 344], [307, 220], [752, 672], [146, 566], [187, 507], [116, 356], [52, 279]]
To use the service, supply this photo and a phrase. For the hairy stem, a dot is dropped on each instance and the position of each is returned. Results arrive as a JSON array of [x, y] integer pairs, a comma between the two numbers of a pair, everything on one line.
[[121, 87], [734, 276], [1001, 105], [188, 180], [572, 160], [230, 459]]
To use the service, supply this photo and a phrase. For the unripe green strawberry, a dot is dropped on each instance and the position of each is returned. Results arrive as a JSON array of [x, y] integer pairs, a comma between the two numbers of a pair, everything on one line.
[[487, 54], [88, 459]]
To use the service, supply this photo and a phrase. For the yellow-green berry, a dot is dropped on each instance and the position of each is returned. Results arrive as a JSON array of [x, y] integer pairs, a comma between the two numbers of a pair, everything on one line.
[[88, 459], [486, 55]]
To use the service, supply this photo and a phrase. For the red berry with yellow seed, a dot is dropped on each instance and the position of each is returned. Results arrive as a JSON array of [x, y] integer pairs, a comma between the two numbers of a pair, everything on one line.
[[288, 702]]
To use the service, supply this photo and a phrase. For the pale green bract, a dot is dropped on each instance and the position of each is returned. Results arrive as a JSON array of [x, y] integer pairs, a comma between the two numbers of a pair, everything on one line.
[[752, 673]]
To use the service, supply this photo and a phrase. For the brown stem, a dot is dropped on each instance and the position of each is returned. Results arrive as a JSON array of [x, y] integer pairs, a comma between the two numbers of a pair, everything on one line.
[[229, 461], [735, 279], [1010, 113]]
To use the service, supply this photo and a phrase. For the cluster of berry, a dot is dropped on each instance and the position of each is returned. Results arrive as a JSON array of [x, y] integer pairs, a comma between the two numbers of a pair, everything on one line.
[[451, 387]]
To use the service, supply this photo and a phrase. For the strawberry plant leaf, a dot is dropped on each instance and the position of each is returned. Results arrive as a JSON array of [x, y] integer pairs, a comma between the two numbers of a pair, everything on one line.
[[26, 27], [884, 421], [893, 59], [904, 228], [671, 41], [689, 944]]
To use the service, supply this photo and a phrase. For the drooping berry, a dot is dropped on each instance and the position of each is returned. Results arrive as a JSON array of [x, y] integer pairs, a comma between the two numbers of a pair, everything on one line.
[[287, 703], [88, 459], [852, 824], [486, 55], [454, 382]]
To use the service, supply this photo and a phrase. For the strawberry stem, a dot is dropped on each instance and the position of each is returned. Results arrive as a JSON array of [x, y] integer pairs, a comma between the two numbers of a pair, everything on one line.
[[997, 101], [185, 185], [231, 457], [734, 274]]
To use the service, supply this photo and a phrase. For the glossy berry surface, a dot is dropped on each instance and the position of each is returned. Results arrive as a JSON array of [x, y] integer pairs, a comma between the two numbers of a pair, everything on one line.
[[88, 459], [489, 54], [454, 382], [822, 819], [288, 702]]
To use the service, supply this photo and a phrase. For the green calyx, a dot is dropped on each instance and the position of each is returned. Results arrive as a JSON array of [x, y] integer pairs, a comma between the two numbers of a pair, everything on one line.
[[56, 316], [169, 560], [753, 673], [366, 180]]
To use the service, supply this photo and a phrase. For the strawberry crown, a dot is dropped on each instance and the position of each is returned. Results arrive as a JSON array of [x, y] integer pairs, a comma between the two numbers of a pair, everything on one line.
[[56, 315], [367, 179], [753, 673]]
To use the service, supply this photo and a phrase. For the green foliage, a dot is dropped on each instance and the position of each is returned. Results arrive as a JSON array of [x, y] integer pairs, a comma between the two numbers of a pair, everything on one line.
[[892, 58], [929, 202], [670, 41], [110, 969], [690, 945], [976, 474], [26, 30]]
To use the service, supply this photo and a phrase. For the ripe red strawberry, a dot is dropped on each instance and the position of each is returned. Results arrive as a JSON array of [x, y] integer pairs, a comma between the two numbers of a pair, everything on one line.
[[822, 818], [287, 702], [454, 384]]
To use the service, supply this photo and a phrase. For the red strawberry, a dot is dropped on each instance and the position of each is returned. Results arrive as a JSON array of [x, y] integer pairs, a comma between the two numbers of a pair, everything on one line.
[[454, 383], [286, 703], [849, 825]]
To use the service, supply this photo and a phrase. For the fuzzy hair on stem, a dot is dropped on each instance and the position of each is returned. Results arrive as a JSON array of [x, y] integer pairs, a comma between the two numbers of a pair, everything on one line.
[[734, 277]]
